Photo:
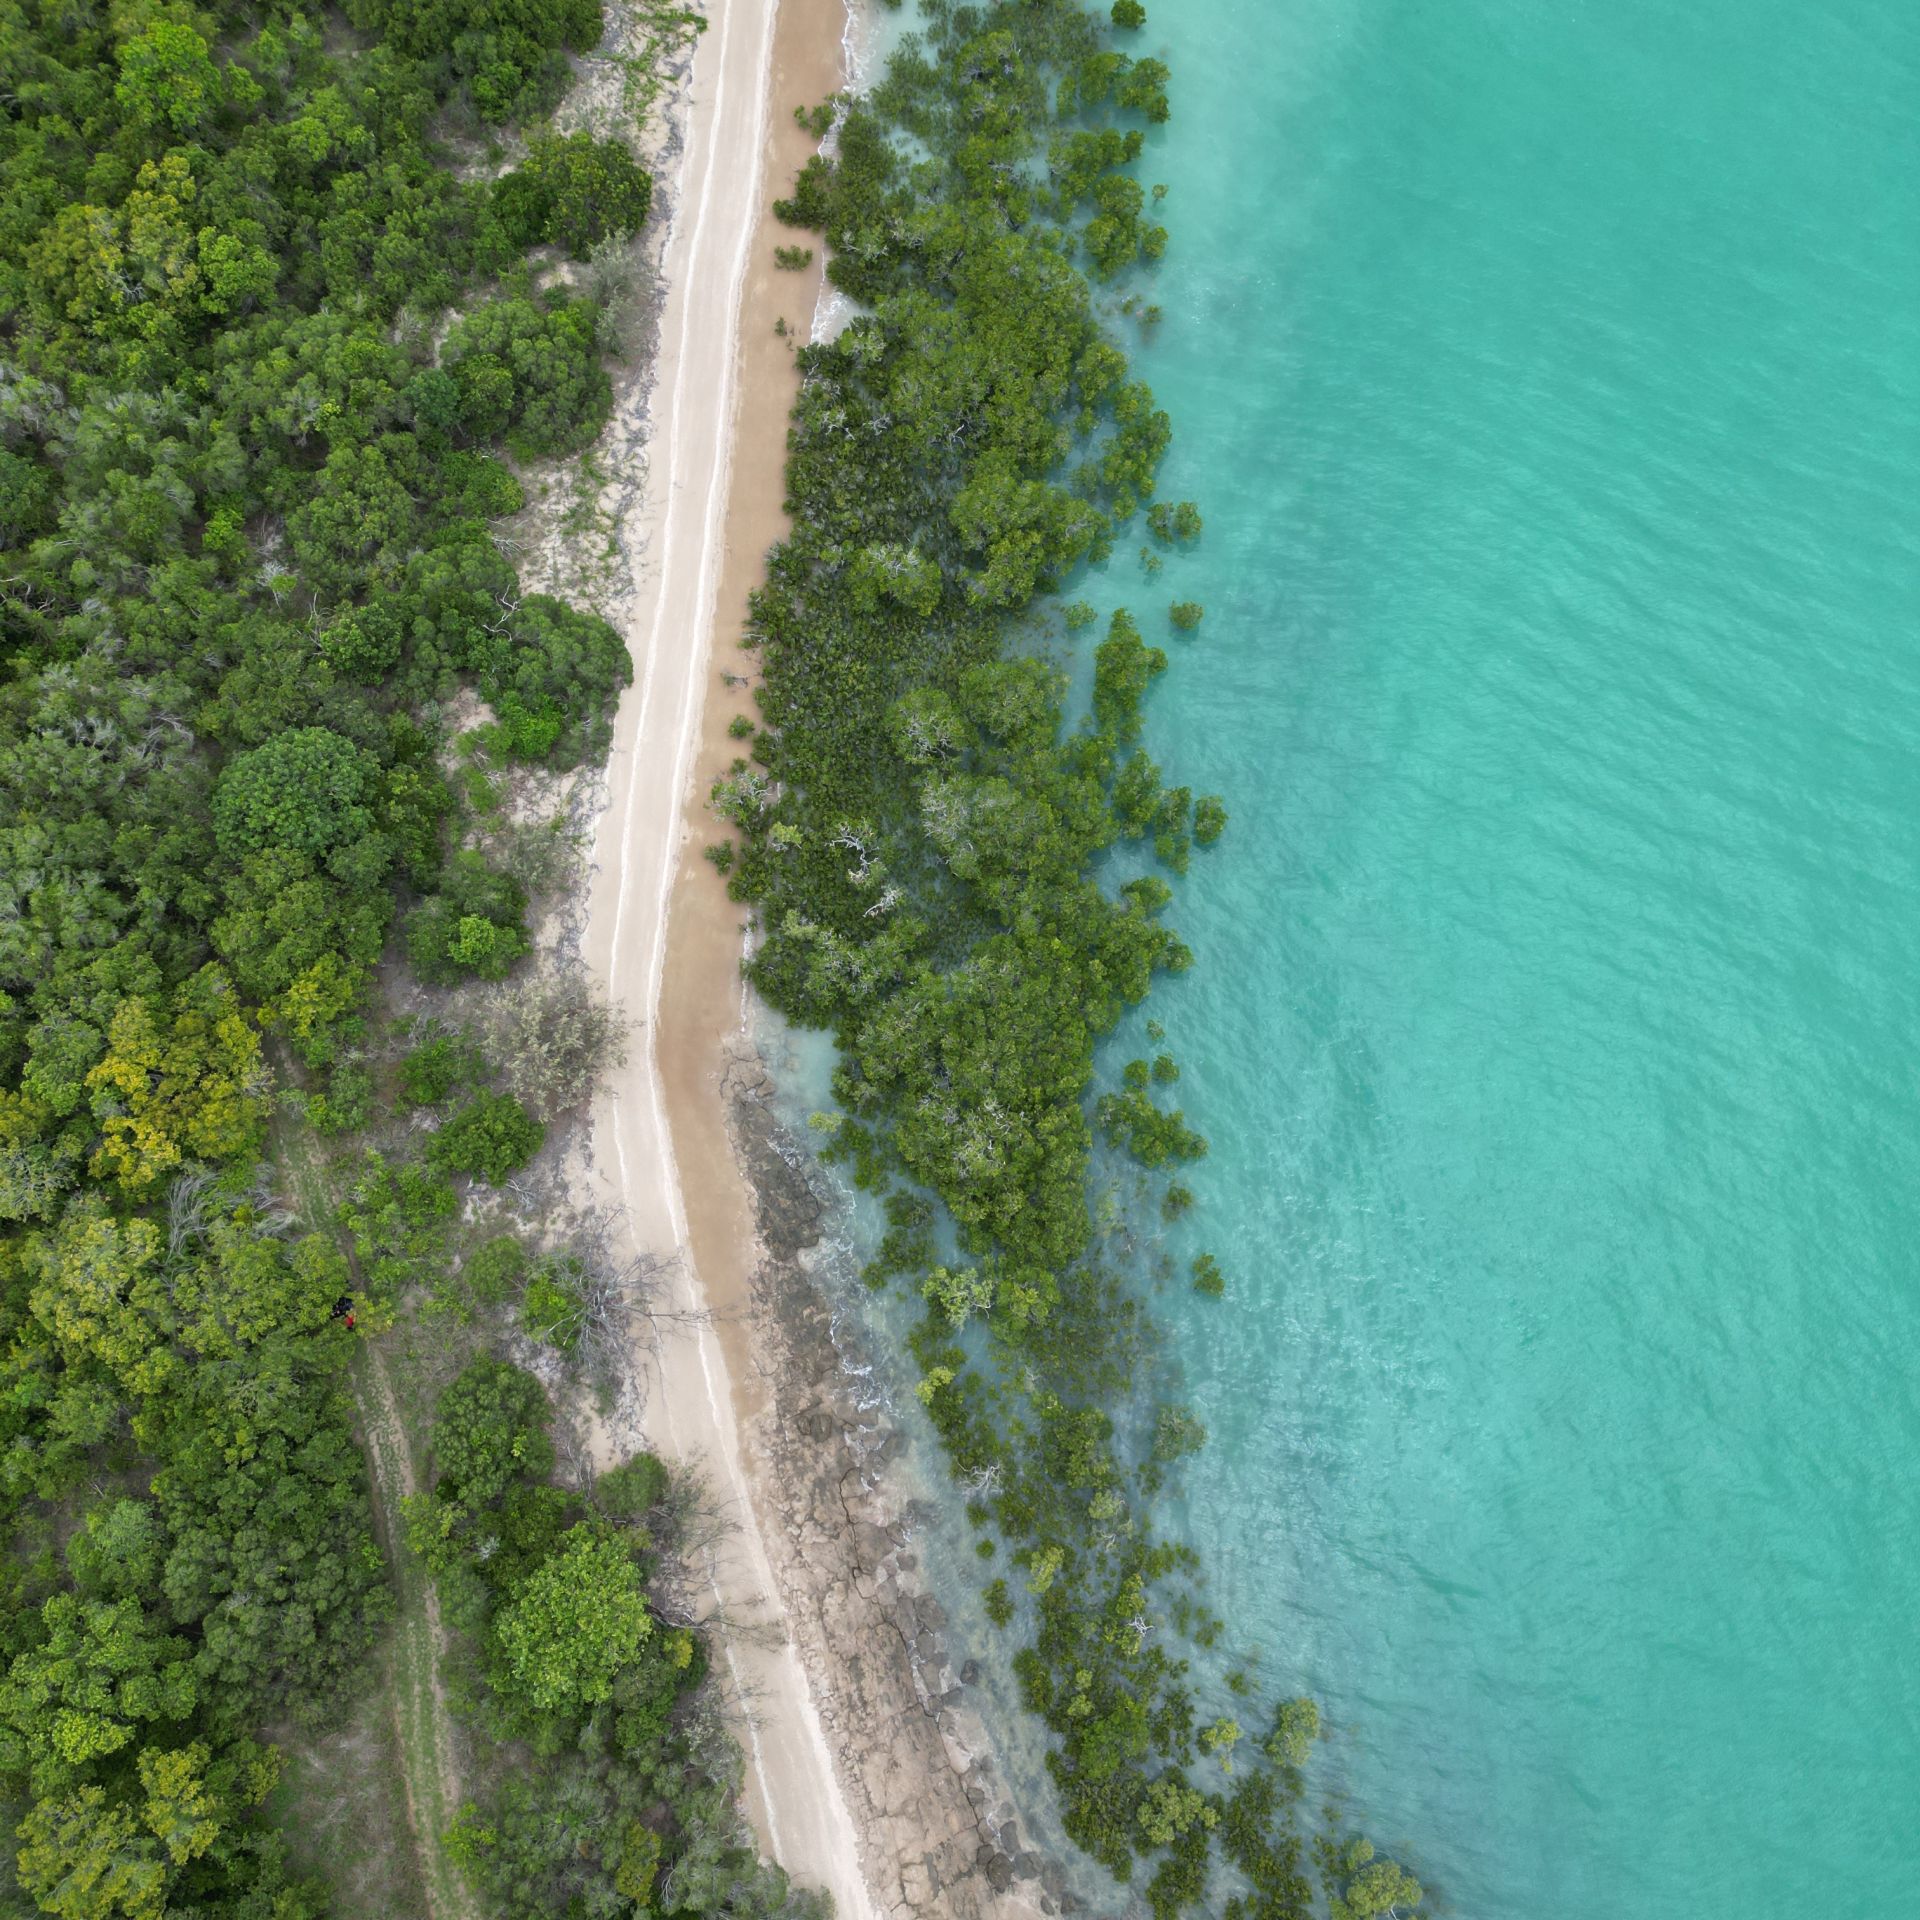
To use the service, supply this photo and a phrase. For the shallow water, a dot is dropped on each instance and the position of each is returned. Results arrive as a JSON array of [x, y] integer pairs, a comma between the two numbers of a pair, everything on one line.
[[1550, 380]]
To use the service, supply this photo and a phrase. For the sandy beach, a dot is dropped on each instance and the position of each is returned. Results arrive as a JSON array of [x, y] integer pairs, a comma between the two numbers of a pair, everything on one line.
[[868, 1775], [715, 200]]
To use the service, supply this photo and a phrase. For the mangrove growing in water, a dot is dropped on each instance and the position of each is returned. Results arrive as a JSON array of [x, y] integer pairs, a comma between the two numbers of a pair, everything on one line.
[[921, 828]]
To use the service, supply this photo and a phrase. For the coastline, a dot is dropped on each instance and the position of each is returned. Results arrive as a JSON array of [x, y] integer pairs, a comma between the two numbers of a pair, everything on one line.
[[863, 1777], [940, 1833], [866, 1775]]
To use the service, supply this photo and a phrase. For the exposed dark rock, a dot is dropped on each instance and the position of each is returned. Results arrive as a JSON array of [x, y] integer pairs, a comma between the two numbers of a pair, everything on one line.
[[909, 1749]]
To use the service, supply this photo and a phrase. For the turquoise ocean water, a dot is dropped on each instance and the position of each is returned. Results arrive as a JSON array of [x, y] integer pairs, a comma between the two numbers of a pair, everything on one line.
[[1549, 376]]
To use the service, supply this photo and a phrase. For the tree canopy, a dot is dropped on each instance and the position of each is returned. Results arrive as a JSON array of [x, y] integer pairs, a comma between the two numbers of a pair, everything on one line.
[[576, 1621], [573, 191], [268, 355]]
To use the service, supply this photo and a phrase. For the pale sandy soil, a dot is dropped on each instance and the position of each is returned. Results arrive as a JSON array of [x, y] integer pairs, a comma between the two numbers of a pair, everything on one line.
[[717, 362]]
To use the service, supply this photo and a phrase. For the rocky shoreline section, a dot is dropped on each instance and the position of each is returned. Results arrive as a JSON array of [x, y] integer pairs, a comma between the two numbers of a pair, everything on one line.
[[941, 1835]]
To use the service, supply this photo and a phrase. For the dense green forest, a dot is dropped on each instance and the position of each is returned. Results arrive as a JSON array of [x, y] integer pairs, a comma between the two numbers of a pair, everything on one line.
[[932, 839], [292, 305]]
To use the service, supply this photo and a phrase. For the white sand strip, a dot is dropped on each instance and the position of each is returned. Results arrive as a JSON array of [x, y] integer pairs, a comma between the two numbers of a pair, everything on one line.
[[792, 1792]]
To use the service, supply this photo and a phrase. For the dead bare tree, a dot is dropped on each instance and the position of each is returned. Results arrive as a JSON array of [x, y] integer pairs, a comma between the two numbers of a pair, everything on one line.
[[689, 1523], [611, 1299], [692, 1518], [539, 854], [553, 1035], [187, 1209]]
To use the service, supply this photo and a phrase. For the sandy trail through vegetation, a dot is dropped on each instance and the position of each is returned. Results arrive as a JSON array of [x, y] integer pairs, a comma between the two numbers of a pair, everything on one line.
[[429, 1771], [421, 1719]]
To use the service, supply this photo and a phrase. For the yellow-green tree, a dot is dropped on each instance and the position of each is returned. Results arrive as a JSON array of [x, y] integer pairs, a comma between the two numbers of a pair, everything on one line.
[[83, 1858], [574, 1623], [99, 1290], [178, 1082], [103, 1670], [167, 75]]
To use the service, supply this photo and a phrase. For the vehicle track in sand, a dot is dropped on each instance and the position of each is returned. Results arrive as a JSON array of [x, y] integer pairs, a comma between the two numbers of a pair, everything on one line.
[[676, 536], [423, 1726]]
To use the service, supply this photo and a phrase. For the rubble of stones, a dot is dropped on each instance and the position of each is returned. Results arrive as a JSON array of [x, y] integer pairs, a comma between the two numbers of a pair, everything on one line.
[[912, 1747]]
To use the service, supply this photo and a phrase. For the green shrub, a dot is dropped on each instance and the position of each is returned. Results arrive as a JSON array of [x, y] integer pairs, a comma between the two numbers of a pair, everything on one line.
[[509, 54], [553, 677], [632, 1491], [573, 191], [554, 1305], [490, 1428], [1173, 521], [472, 926], [573, 1624], [346, 1101], [437, 1068], [529, 372], [363, 643], [495, 1270], [490, 1137], [308, 790]]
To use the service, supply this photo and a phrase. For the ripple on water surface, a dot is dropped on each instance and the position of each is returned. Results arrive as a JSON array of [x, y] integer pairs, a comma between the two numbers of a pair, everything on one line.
[[1549, 378]]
